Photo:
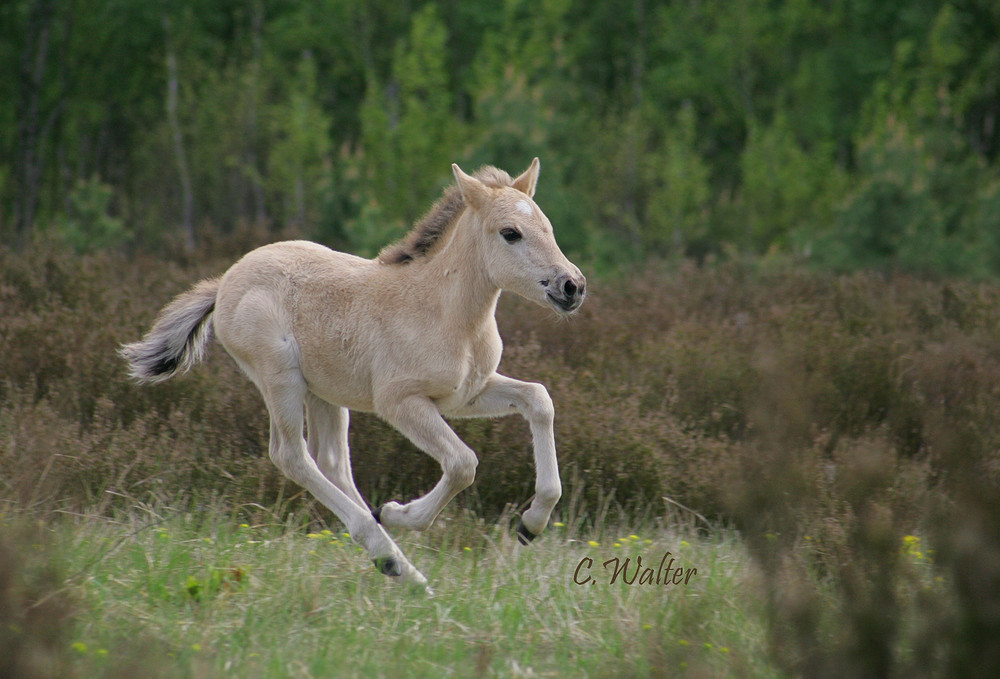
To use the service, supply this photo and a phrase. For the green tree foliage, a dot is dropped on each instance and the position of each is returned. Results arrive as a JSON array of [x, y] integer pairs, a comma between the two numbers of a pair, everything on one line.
[[850, 134], [920, 187], [787, 190], [677, 177], [299, 158], [910, 208], [86, 224], [410, 135]]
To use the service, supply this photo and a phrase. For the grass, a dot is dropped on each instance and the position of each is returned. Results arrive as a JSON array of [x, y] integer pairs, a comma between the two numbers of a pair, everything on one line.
[[826, 418], [204, 595]]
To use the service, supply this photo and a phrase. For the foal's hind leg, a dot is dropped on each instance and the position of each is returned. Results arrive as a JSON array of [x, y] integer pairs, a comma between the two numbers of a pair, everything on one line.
[[284, 393], [326, 425]]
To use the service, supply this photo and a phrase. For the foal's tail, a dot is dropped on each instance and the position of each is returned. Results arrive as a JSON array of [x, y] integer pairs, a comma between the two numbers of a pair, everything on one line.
[[178, 338]]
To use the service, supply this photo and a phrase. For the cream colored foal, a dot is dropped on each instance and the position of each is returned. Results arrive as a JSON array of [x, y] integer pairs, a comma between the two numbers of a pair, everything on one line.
[[410, 336]]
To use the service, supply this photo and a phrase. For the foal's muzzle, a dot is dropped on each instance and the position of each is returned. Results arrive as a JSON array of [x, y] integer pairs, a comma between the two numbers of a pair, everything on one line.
[[566, 293]]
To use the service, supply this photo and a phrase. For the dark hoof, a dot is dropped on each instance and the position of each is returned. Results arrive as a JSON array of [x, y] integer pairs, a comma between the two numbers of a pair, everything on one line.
[[524, 536], [377, 513], [387, 565]]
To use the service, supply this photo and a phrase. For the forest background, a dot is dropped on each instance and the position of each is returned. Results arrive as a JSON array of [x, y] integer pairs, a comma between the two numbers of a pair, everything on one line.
[[849, 133], [788, 214]]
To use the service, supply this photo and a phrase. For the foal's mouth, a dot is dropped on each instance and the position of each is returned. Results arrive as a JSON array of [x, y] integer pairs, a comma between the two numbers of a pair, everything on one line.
[[566, 306]]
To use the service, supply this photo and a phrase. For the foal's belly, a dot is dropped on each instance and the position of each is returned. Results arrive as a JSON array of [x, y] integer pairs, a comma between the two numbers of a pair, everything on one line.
[[338, 381]]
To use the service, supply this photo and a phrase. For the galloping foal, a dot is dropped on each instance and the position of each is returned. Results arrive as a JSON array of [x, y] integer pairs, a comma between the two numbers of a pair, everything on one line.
[[410, 336]]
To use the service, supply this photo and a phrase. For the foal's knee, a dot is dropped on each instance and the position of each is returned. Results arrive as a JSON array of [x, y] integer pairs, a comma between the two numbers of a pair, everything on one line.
[[549, 494], [462, 470], [289, 460], [539, 404]]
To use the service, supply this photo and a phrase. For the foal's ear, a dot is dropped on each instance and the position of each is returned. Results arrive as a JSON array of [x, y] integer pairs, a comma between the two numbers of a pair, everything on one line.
[[473, 191], [526, 182]]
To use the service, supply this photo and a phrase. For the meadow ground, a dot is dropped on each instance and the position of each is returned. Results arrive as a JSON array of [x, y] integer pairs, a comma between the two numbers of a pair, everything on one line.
[[204, 594], [837, 433]]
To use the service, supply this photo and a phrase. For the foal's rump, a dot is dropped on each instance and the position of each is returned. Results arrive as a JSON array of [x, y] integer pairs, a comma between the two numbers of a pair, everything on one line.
[[284, 307]]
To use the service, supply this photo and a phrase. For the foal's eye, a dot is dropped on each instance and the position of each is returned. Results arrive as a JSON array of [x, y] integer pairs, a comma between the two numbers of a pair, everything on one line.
[[510, 235]]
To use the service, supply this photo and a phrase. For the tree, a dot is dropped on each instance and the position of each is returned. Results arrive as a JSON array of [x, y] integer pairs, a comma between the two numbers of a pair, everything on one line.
[[38, 109], [180, 152], [299, 154], [786, 190], [410, 135]]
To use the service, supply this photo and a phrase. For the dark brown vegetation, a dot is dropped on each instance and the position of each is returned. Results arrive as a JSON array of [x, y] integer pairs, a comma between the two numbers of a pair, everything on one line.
[[825, 417], [34, 610]]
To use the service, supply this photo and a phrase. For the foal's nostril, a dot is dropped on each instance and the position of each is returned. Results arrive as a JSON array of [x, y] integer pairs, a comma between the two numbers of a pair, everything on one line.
[[569, 288]]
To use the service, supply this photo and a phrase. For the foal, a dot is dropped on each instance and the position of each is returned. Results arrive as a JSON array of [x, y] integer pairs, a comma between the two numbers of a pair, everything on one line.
[[410, 336]]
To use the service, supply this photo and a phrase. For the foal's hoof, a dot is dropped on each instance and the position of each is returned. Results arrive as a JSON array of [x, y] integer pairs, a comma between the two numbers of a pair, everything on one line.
[[402, 571], [388, 565], [524, 536], [377, 513]]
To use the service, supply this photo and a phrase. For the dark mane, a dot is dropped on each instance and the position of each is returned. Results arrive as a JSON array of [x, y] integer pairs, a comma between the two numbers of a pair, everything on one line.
[[433, 225]]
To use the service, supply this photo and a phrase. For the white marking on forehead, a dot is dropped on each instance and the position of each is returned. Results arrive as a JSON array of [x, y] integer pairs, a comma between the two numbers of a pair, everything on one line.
[[523, 207]]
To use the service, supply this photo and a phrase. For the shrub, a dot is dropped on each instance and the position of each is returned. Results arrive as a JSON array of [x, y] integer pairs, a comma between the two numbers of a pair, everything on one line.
[[36, 613], [828, 417]]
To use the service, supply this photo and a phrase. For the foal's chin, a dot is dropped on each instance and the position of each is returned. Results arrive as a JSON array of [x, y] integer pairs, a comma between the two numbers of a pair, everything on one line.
[[561, 309]]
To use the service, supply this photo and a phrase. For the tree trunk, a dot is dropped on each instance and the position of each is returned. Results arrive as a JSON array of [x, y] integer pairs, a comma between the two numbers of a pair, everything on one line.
[[256, 176], [178, 138], [31, 129]]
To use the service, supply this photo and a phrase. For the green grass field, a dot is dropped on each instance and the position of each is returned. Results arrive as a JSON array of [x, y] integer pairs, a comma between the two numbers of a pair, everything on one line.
[[204, 595]]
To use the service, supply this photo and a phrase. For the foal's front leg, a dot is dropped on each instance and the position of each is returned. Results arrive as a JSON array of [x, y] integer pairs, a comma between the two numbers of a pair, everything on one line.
[[417, 418], [505, 396]]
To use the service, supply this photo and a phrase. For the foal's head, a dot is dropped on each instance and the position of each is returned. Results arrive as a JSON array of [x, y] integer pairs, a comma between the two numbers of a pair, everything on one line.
[[518, 246]]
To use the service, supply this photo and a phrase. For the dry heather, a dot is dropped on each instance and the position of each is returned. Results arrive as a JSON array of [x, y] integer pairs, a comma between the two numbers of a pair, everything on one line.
[[684, 384], [833, 420]]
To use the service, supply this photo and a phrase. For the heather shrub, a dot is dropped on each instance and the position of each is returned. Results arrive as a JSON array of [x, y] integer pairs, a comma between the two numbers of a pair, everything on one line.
[[845, 424], [663, 383], [36, 613]]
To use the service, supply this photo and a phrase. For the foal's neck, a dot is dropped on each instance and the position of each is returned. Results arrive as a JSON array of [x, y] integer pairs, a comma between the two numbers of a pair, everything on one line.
[[458, 273]]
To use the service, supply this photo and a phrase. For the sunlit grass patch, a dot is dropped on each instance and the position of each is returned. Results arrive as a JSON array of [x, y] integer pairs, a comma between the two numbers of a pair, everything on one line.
[[279, 600]]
